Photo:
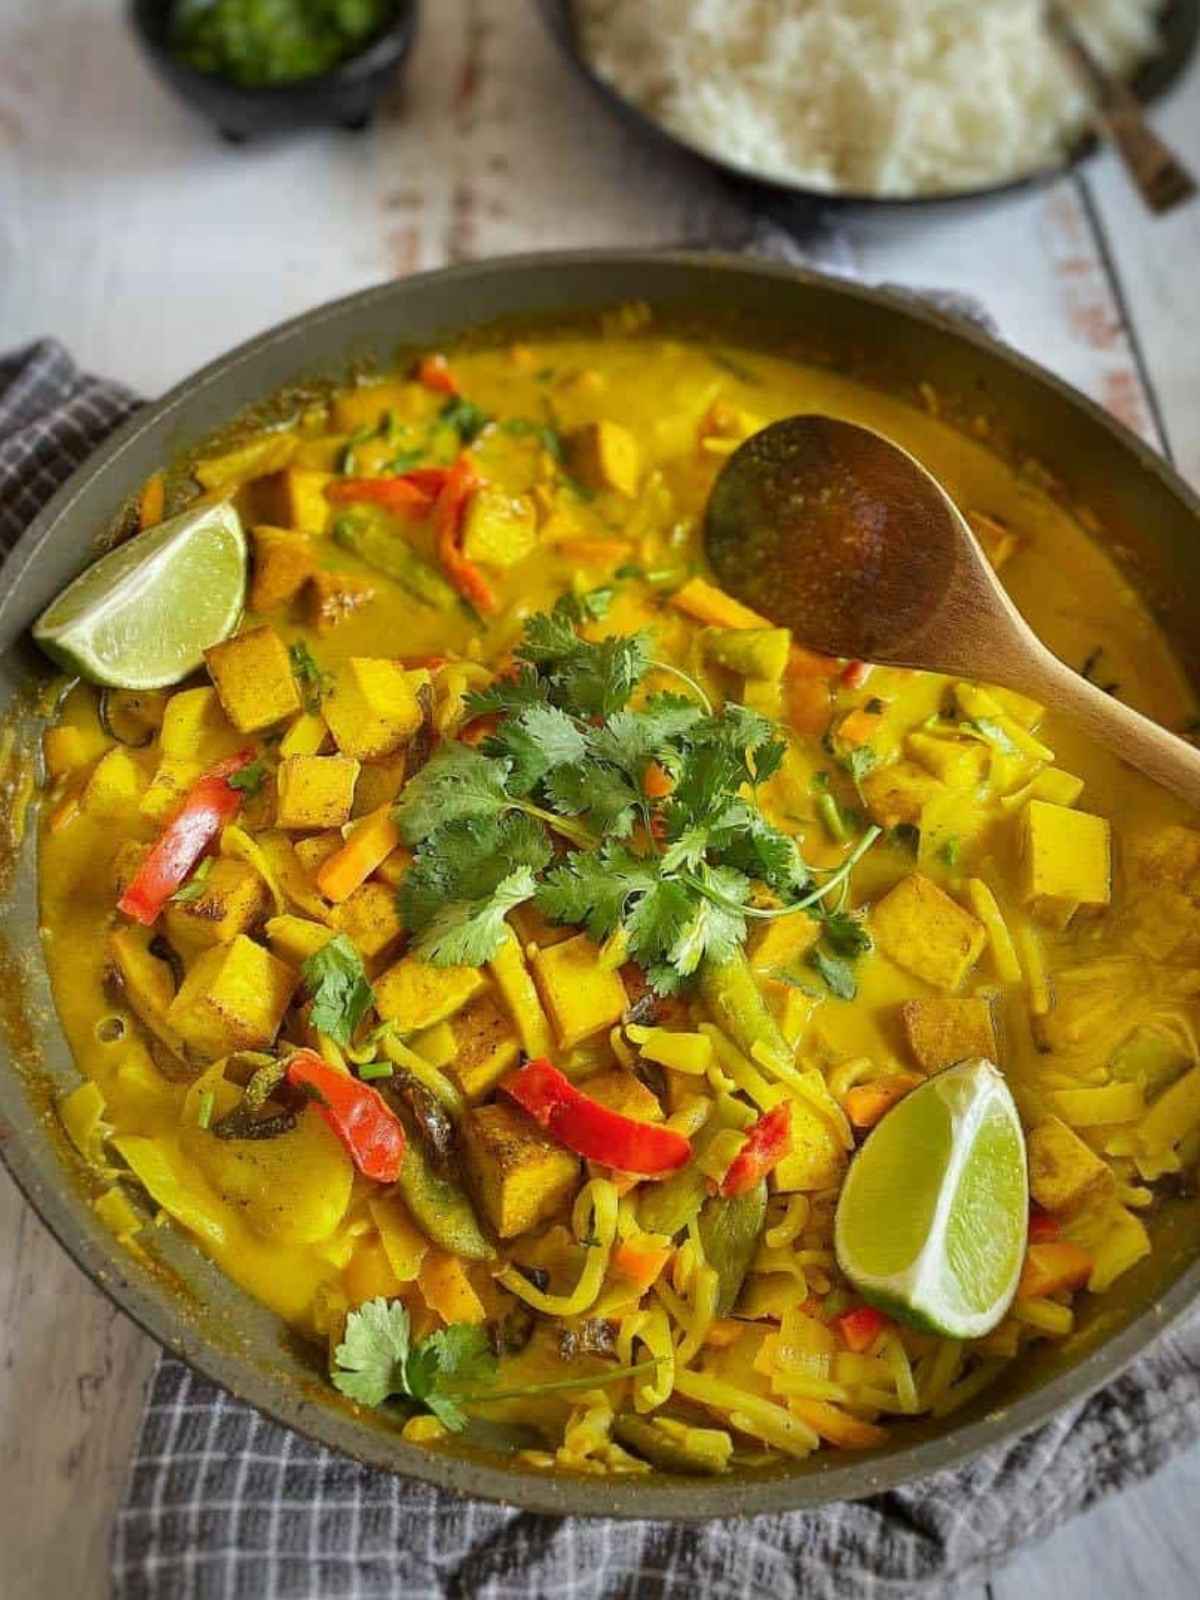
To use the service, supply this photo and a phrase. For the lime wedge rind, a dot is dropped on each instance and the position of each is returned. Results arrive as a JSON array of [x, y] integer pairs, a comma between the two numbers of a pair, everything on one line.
[[143, 615], [927, 1293]]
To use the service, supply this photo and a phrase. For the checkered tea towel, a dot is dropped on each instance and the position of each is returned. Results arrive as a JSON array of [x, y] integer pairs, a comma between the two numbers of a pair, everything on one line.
[[224, 1505]]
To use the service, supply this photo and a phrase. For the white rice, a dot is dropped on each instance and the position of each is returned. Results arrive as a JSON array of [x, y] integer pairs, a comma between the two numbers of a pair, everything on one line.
[[884, 97]]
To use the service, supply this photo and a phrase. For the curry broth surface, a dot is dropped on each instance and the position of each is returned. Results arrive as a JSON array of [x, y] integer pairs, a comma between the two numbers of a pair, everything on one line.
[[1063, 582]]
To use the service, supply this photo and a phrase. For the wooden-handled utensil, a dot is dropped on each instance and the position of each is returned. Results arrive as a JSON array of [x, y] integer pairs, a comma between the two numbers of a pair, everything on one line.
[[837, 533], [1157, 172]]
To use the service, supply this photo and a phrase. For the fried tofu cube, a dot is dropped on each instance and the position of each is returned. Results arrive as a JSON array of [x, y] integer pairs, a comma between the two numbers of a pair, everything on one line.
[[414, 994], [499, 529], [486, 1045], [334, 596], [520, 1175], [253, 677], [898, 793], [284, 561], [817, 1159], [1170, 858], [295, 499], [605, 455], [315, 791], [306, 736], [784, 942], [195, 728], [115, 786], [927, 933], [620, 1091], [233, 998], [1063, 1170], [172, 780], [369, 918], [958, 763], [231, 900], [379, 783], [941, 1032], [580, 996], [293, 939], [1066, 861], [373, 708]]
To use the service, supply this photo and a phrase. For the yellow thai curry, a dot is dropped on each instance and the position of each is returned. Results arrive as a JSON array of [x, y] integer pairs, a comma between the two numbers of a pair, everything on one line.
[[496, 956]]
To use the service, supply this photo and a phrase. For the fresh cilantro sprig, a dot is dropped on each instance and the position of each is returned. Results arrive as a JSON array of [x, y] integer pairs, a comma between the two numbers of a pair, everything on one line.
[[341, 995], [671, 867], [314, 681], [250, 778], [378, 1360]]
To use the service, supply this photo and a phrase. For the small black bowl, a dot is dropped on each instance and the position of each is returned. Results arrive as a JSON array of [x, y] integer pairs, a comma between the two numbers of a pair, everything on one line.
[[345, 96]]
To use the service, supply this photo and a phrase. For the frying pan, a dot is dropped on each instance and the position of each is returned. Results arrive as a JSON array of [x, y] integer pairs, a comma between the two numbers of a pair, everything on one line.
[[1150, 521]]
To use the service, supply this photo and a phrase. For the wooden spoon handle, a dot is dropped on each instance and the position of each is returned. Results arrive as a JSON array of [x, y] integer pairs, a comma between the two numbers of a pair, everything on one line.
[[1165, 757]]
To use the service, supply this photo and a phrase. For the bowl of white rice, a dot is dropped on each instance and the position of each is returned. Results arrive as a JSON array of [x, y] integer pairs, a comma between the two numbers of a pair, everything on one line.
[[868, 100]]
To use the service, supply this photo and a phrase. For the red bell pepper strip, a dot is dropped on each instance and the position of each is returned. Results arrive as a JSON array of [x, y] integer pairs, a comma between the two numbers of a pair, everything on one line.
[[861, 1327], [767, 1142], [357, 1113], [434, 372], [466, 577], [430, 480], [1043, 1227], [397, 494], [209, 804], [592, 1130]]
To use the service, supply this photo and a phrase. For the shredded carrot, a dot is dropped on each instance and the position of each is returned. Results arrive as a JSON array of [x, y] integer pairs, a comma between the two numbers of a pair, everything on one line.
[[713, 606], [1052, 1267], [479, 728], [595, 552], [396, 494], [867, 1102], [152, 501], [640, 1266], [367, 848], [808, 704], [657, 782], [859, 727], [434, 372], [838, 1426]]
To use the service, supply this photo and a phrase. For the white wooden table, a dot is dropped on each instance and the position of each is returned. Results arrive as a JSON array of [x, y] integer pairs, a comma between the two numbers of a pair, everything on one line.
[[145, 244]]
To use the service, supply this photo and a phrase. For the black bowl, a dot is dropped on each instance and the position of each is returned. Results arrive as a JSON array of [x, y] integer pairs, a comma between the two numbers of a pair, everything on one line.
[[345, 96], [796, 207]]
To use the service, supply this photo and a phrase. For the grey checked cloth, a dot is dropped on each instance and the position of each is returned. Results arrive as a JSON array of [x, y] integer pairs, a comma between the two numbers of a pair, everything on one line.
[[224, 1505]]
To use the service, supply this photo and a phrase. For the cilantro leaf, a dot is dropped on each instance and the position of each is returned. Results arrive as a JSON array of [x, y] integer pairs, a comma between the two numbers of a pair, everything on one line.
[[314, 681], [716, 928], [341, 995], [596, 793], [761, 851], [465, 417], [194, 887], [846, 934], [468, 861], [658, 921], [549, 639], [457, 784], [535, 741], [468, 933], [592, 887], [836, 973], [859, 761], [629, 739], [600, 678], [250, 778], [377, 1361], [370, 1362], [513, 693]]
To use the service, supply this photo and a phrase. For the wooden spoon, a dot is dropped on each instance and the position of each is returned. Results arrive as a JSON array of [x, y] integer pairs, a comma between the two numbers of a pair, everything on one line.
[[835, 532]]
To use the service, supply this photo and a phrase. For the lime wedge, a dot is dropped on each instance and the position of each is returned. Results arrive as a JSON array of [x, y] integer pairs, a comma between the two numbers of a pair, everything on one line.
[[932, 1218], [142, 616]]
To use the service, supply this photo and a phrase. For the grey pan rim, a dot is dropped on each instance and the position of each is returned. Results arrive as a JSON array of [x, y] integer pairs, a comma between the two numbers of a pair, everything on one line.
[[42, 1177]]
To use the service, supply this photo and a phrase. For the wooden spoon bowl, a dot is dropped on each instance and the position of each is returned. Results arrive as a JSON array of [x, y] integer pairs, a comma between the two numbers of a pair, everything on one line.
[[833, 531]]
